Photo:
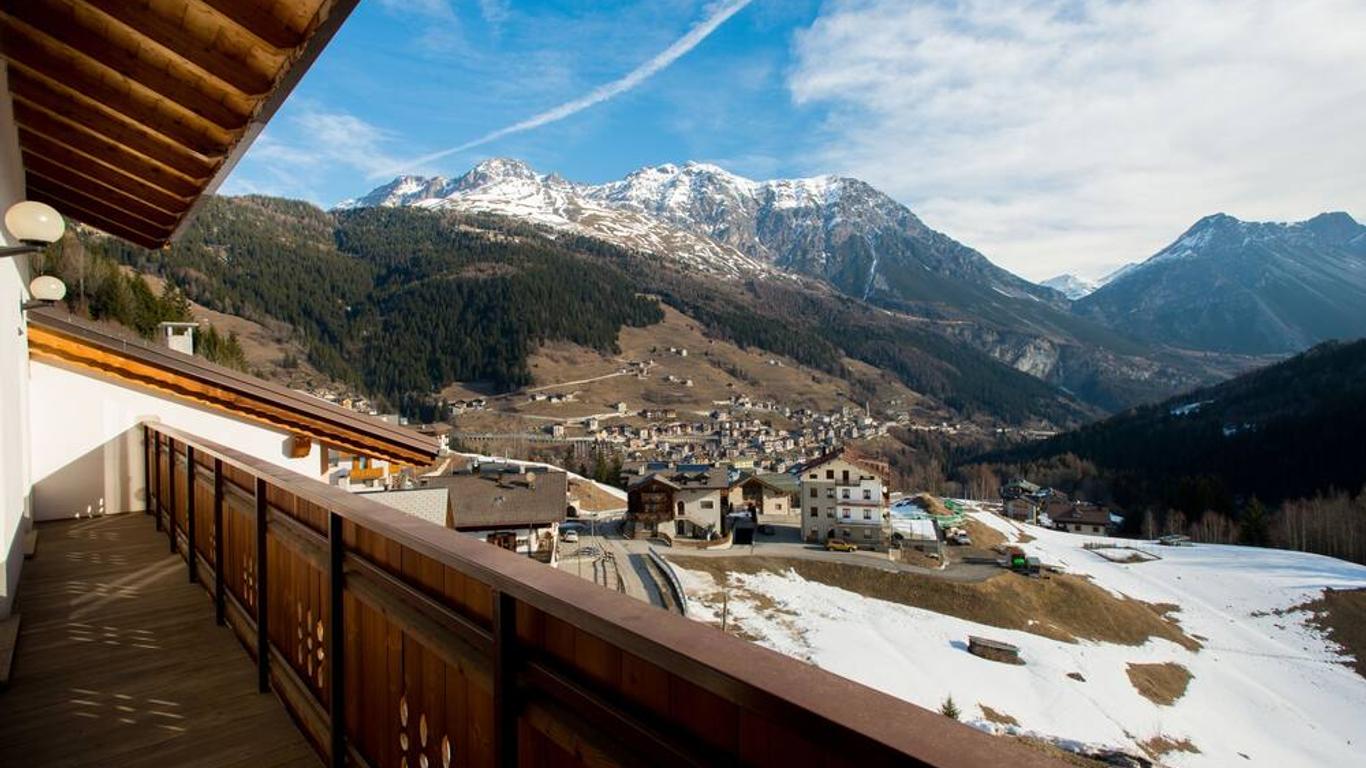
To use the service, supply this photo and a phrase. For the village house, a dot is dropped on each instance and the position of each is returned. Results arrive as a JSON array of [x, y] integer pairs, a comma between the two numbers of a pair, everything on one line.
[[691, 502], [765, 494], [1082, 517], [517, 508], [844, 495]]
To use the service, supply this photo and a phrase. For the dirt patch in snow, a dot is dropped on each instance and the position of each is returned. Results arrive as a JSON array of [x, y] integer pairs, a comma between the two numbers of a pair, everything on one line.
[[591, 498], [983, 536], [1063, 607], [1341, 615], [1160, 745], [995, 716], [1160, 683]]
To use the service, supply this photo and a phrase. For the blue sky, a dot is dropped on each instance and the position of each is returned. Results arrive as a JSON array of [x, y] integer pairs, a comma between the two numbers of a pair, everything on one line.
[[1052, 135], [404, 79]]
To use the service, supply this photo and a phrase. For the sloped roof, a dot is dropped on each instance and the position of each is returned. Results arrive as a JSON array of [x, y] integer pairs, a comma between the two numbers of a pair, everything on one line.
[[867, 463], [430, 504], [1082, 512], [68, 341], [130, 112], [504, 500]]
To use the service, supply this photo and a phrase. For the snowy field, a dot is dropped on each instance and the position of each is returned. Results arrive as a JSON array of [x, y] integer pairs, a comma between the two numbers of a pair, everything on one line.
[[1266, 689]]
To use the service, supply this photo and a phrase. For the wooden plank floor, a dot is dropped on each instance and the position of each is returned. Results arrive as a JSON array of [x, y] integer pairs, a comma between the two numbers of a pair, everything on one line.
[[120, 662]]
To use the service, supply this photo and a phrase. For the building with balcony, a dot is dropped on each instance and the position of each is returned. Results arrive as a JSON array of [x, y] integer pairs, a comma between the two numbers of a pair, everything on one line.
[[200, 593], [844, 495]]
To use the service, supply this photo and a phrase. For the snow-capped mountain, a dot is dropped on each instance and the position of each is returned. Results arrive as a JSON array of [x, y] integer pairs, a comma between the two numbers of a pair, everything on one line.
[[1249, 287], [1071, 286], [511, 188], [837, 228]]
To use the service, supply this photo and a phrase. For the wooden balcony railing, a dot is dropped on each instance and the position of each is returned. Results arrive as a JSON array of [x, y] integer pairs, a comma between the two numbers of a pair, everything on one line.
[[395, 642]]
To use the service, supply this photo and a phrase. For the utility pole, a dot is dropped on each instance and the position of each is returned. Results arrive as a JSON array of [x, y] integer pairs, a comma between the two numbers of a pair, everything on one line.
[[725, 604]]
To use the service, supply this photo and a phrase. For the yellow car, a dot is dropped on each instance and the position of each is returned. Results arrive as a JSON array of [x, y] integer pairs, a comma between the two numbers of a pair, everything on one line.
[[840, 545]]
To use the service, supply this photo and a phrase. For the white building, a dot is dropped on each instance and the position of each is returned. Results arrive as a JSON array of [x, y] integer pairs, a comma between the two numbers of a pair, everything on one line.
[[844, 495]]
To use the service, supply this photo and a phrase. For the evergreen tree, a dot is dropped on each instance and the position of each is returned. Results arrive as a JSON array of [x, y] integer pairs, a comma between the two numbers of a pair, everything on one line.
[[949, 709], [1254, 527]]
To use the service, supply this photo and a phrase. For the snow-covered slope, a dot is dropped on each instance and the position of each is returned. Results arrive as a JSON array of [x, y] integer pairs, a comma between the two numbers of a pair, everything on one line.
[[1245, 287], [1267, 690], [511, 188], [836, 228], [1071, 286]]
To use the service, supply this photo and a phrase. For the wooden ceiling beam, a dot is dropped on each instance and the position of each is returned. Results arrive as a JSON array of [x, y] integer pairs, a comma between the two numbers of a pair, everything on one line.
[[181, 127], [60, 23], [98, 220], [94, 196], [49, 154], [47, 127], [170, 33], [36, 97], [260, 22]]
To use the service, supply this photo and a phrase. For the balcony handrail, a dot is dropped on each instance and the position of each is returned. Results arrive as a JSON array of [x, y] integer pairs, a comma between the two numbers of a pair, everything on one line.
[[810, 700]]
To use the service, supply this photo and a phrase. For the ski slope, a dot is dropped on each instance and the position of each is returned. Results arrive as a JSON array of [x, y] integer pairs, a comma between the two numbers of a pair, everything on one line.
[[1266, 689]]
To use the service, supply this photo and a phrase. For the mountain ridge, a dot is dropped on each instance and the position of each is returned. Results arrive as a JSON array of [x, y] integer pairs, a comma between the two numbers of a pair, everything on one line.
[[1237, 286], [822, 226], [834, 229]]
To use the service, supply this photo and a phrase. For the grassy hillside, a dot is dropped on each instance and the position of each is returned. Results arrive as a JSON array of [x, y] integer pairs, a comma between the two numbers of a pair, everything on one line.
[[403, 302]]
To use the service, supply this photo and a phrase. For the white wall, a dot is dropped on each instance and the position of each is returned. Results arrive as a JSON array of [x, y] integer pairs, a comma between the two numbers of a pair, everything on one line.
[[87, 441], [14, 459], [692, 506]]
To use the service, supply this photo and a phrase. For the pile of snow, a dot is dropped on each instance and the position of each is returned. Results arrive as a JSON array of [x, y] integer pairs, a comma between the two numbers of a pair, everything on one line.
[[1267, 689]]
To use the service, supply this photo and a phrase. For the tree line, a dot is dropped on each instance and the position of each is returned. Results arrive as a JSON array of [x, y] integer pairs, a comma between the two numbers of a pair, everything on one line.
[[99, 289]]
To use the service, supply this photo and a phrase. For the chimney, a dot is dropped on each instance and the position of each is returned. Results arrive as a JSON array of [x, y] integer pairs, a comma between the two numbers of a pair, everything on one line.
[[179, 337]]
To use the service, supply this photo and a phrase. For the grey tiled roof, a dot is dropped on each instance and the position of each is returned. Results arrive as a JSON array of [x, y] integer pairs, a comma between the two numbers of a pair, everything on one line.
[[430, 504]]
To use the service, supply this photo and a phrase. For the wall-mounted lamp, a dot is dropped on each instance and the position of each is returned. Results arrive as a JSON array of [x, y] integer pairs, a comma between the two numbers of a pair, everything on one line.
[[46, 290], [36, 225]]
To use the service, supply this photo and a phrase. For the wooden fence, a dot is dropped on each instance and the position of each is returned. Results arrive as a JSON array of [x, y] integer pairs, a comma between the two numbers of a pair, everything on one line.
[[395, 642]]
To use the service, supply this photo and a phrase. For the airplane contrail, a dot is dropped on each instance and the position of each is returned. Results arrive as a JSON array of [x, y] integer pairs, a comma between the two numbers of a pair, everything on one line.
[[602, 93]]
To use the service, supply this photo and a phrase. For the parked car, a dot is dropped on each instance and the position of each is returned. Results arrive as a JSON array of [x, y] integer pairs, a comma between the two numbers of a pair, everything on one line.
[[570, 537], [840, 545]]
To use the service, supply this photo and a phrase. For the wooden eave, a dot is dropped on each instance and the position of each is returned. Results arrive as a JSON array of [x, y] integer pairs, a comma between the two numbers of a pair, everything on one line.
[[131, 111], [80, 346]]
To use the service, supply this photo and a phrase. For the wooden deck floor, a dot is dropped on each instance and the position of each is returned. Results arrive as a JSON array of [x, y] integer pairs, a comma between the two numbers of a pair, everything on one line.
[[120, 662]]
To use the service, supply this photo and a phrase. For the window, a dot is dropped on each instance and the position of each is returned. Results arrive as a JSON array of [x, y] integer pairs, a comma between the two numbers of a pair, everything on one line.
[[829, 474], [814, 512], [812, 477], [846, 477], [844, 494], [867, 494], [844, 532], [814, 492], [708, 504], [867, 515]]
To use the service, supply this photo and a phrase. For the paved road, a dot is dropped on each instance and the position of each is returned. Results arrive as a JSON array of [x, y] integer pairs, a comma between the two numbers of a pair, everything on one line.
[[786, 542], [632, 565]]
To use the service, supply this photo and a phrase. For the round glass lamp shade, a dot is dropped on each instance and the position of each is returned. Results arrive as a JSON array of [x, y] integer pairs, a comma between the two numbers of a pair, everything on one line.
[[47, 288], [33, 222]]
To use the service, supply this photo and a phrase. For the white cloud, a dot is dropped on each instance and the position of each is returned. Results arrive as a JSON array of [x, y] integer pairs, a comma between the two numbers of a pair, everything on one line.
[[439, 24], [495, 11], [718, 14], [1071, 135], [297, 153]]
